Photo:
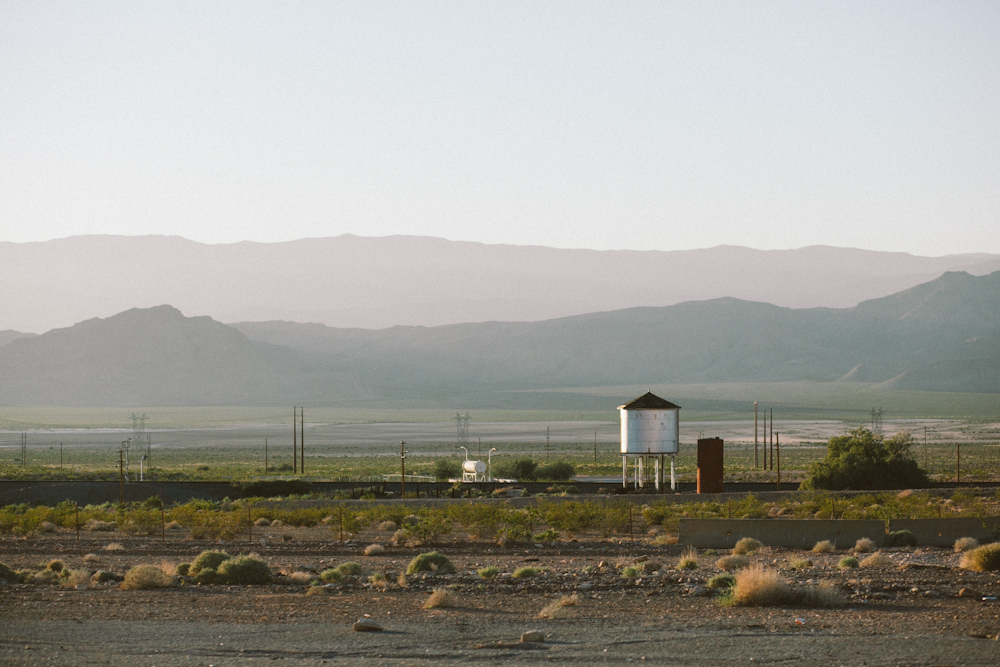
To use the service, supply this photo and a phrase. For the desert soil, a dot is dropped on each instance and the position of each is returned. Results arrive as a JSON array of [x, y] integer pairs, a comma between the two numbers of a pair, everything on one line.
[[923, 610]]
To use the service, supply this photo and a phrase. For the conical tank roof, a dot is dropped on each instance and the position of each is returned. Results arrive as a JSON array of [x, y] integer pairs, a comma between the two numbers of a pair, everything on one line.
[[649, 401]]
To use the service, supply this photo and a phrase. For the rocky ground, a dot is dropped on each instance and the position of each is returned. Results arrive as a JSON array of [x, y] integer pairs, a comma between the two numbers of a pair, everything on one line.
[[921, 610]]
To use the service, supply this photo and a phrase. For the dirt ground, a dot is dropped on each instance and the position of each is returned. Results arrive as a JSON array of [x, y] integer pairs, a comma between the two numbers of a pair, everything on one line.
[[922, 610]]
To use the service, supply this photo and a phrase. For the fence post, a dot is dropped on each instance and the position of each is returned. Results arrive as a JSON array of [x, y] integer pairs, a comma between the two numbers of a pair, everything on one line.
[[250, 522], [341, 524], [77, 521], [163, 524]]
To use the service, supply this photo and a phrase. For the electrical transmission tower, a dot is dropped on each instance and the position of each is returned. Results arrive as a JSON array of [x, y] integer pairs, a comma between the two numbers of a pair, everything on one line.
[[462, 424], [877, 420]]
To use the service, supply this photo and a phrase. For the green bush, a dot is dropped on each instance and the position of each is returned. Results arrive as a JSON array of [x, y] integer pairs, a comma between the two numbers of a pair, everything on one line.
[[520, 469], [525, 572], [267, 488], [445, 469], [208, 560], [556, 472], [721, 581], [848, 563], [900, 538], [488, 572], [209, 576], [747, 545], [8, 575], [184, 569], [349, 569], [982, 559], [432, 561], [246, 571], [866, 460]]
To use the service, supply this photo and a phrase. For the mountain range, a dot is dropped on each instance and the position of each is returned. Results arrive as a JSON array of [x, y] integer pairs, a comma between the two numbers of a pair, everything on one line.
[[940, 335], [353, 281]]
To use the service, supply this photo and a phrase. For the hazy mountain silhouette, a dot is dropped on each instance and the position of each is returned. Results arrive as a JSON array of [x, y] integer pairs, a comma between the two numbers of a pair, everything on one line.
[[351, 281], [941, 335]]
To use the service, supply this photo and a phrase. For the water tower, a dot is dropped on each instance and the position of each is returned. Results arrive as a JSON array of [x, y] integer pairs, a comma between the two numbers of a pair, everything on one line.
[[650, 433]]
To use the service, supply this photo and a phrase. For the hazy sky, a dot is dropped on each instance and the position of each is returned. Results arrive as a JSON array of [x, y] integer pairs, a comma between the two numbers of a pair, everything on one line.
[[647, 125]]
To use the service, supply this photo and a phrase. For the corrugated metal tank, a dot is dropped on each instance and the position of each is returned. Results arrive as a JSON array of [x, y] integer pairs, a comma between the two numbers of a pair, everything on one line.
[[650, 431]]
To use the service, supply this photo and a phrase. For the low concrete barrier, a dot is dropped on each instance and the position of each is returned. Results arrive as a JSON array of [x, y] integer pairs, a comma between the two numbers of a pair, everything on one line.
[[944, 532], [802, 534]]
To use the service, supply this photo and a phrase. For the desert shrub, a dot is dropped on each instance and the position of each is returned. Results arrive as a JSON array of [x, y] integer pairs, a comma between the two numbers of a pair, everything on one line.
[[747, 545], [550, 535], [246, 571], [848, 563], [445, 469], [864, 545], [440, 597], [300, 578], [982, 559], [520, 469], [75, 578], [374, 550], [91, 558], [632, 572], [823, 547], [142, 577], [208, 560], [757, 587], [388, 526], [432, 561], [688, 560], [184, 569], [560, 607], [262, 521], [721, 581], [47, 527], [349, 568], [100, 526], [114, 546], [331, 575], [102, 576], [556, 472], [900, 538], [7, 574], [268, 488], [525, 572], [963, 544], [570, 517], [800, 563], [55, 565], [862, 459], [488, 572], [209, 576], [732, 562], [141, 522], [877, 559]]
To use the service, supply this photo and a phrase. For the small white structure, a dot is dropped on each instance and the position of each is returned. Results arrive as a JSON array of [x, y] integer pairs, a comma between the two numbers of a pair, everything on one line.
[[650, 433], [473, 471]]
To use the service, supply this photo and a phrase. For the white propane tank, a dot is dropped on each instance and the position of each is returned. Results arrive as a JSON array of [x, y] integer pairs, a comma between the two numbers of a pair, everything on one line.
[[474, 467]]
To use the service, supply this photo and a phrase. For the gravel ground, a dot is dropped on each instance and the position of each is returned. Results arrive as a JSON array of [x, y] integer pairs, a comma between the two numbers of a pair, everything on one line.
[[922, 610]]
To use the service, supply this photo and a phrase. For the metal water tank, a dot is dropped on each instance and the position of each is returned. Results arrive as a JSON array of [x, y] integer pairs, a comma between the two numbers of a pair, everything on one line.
[[474, 467], [650, 425]]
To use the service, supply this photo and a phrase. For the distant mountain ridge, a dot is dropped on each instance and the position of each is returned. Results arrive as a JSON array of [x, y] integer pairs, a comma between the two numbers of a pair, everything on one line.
[[352, 281], [942, 335]]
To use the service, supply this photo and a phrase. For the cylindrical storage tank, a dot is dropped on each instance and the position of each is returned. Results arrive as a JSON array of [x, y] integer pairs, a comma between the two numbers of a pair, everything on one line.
[[650, 425], [477, 467]]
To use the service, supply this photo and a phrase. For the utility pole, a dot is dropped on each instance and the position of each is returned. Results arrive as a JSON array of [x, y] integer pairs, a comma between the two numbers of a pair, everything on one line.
[[546, 443], [777, 442], [764, 444], [595, 446], [925, 449], [121, 477], [772, 438], [402, 468], [958, 462], [302, 440], [60, 456], [265, 457], [295, 440], [755, 435]]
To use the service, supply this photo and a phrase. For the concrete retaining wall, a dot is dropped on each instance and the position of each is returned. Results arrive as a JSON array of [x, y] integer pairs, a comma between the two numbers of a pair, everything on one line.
[[944, 532]]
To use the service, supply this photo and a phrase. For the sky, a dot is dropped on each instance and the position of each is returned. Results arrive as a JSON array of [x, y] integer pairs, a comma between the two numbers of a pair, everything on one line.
[[607, 125]]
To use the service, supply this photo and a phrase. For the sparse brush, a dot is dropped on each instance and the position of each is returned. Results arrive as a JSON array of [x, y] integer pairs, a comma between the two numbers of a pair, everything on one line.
[[173, 525], [721, 581], [559, 608], [331, 575], [441, 597], [374, 550], [401, 536], [47, 527], [732, 562], [55, 565], [964, 544], [401, 580], [982, 559], [262, 522], [300, 578], [377, 578], [632, 572], [184, 569], [102, 576], [100, 526], [488, 572], [208, 560], [689, 560], [7, 574], [114, 546], [45, 577], [877, 559], [388, 526], [91, 558], [651, 566], [432, 561], [142, 577], [900, 538], [823, 547], [746, 546], [525, 572], [350, 568], [76, 578], [848, 563], [315, 590], [864, 545], [664, 540], [800, 563], [757, 587], [209, 577], [824, 595]]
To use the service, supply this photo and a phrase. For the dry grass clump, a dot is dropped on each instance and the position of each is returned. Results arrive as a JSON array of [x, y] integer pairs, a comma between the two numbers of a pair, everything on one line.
[[315, 590], [47, 527], [91, 558], [173, 525], [800, 563], [964, 544], [559, 608], [982, 559], [823, 547], [388, 526], [441, 597], [689, 560], [55, 565], [374, 550], [488, 572], [300, 578], [877, 559], [746, 546], [432, 561], [100, 526], [143, 577], [527, 572], [262, 522], [114, 546], [665, 540], [757, 587], [632, 572], [864, 545], [732, 562], [76, 578]]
